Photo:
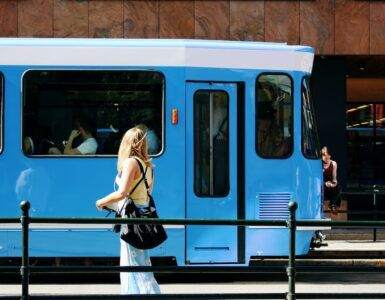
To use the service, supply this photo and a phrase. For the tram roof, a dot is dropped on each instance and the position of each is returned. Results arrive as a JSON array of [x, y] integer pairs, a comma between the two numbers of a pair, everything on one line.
[[155, 52]]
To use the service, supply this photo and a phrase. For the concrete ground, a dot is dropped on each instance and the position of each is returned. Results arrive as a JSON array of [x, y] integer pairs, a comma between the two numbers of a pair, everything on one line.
[[314, 283], [234, 287], [353, 245]]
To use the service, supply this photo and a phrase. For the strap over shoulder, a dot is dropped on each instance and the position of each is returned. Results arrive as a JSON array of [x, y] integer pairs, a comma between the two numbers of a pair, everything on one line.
[[143, 172]]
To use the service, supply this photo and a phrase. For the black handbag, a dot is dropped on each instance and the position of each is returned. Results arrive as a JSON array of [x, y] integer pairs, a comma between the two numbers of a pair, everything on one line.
[[142, 236]]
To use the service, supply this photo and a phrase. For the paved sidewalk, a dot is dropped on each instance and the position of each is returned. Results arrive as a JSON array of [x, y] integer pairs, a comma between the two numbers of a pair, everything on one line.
[[353, 245], [234, 287]]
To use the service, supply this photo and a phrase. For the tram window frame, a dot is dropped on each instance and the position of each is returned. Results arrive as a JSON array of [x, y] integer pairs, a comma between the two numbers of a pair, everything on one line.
[[291, 119], [311, 102], [201, 195], [2, 112], [96, 155]]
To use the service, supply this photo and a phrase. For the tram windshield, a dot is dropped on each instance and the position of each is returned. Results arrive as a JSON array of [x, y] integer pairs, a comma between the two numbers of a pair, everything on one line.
[[310, 141], [89, 109], [274, 116]]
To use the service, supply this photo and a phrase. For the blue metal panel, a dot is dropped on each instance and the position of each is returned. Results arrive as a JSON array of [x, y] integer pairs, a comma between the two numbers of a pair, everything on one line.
[[297, 176], [211, 244], [274, 242]]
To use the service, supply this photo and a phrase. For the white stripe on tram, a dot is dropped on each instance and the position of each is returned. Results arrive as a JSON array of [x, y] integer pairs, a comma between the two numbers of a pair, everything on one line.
[[54, 55]]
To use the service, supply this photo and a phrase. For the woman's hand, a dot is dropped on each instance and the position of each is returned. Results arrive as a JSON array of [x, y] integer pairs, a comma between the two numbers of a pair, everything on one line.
[[99, 204], [74, 134]]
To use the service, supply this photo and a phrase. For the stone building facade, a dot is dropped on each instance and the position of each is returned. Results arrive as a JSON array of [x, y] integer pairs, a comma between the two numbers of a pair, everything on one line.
[[333, 27]]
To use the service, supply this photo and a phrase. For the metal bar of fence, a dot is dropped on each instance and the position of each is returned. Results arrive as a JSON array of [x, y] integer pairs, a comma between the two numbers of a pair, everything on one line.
[[375, 191], [291, 266], [275, 223], [9, 220], [340, 296], [161, 296], [352, 224], [159, 221], [158, 269], [357, 212], [279, 269], [207, 296], [24, 270], [9, 269]]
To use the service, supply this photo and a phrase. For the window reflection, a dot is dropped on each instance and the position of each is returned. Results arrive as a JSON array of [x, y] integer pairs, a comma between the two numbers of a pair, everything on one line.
[[366, 143]]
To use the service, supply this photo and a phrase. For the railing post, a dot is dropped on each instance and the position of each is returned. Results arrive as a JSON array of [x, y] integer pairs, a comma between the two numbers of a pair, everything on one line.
[[24, 270], [291, 224], [375, 191]]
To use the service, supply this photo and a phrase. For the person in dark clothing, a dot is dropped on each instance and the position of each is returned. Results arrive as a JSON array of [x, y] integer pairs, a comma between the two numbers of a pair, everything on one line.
[[331, 189]]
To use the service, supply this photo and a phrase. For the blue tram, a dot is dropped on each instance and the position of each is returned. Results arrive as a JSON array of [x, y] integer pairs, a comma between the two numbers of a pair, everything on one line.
[[231, 133]]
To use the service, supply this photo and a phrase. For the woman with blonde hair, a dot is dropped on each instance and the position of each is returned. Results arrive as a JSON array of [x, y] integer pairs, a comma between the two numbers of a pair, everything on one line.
[[132, 151]]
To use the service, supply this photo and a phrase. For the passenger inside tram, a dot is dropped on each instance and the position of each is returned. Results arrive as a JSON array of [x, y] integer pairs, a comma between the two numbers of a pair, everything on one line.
[[84, 129], [274, 138], [28, 145], [266, 129]]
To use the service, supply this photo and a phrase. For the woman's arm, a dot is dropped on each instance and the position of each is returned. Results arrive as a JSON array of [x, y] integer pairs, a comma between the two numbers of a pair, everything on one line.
[[68, 147], [151, 182], [334, 182], [130, 167]]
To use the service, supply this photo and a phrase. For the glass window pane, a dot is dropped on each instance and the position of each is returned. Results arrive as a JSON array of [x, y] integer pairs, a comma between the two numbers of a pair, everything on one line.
[[310, 141], [99, 106], [274, 122], [360, 138], [211, 148]]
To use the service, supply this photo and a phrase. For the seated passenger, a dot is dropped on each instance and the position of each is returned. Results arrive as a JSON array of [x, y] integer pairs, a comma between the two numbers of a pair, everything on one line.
[[84, 129], [28, 145]]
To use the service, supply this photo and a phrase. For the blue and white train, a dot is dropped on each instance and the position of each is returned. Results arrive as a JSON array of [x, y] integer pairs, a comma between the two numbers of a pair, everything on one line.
[[231, 132]]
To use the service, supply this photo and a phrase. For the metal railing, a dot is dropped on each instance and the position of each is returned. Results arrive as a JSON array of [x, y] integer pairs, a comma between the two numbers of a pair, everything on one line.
[[375, 213], [291, 269]]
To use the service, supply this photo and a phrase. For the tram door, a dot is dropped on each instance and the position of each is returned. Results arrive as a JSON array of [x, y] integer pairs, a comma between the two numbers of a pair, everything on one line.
[[211, 156]]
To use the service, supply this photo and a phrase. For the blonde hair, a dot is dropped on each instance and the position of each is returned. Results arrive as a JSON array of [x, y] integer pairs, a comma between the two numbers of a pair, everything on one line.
[[134, 143]]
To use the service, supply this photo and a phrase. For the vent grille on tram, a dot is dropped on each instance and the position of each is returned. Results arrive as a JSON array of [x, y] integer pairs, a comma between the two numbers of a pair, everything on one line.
[[274, 206]]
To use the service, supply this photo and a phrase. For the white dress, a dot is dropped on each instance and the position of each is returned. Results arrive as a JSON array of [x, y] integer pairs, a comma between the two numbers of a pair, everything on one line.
[[135, 282]]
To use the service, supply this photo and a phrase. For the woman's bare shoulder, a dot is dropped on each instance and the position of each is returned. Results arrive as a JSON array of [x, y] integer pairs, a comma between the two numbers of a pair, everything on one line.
[[129, 163]]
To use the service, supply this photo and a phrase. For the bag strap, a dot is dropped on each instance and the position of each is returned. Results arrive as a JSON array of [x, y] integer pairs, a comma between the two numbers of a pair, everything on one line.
[[151, 202], [143, 174]]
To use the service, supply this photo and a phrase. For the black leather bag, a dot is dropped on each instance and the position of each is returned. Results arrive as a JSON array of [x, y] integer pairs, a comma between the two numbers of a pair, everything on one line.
[[142, 236]]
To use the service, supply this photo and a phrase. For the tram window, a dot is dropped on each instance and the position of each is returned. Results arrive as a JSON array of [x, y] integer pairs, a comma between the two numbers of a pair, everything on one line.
[[1, 113], [100, 105], [274, 120], [310, 142], [211, 148]]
